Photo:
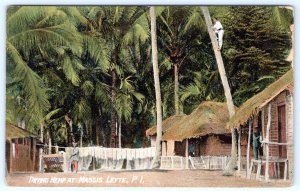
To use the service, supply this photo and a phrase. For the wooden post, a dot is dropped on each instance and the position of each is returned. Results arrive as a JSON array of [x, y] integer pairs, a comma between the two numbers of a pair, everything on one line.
[[33, 153], [258, 170], [40, 159], [11, 145], [94, 162], [181, 163], [248, 149], [40, 149], [267, 142], [120, 132], [250, 170], [186, 153], [56, 149], [239, 150], [49, 142], [263, 129], [285, 170]]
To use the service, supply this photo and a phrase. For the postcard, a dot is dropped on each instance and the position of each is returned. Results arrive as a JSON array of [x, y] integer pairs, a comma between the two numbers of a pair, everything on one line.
[[149, 96]]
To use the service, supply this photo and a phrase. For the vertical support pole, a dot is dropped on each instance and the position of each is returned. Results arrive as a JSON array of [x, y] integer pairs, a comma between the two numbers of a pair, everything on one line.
[[258, 170], [278, 169], [250, 170], [248, 149], [49, 142], [56, 149], [263, 129], [120, 132], [186, 153], [40, 149], [33, 154], [275, 169], [65, 166], [285, 169], [94, 160], [239, 149], [11, 145], [267, 142], [291, 139], [181, 162]]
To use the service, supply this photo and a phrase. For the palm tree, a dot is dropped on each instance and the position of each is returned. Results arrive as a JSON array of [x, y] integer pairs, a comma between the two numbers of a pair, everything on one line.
[[124, 102], [233, 160], [120, 26], [35, 35], [179, 35], [155, 162]]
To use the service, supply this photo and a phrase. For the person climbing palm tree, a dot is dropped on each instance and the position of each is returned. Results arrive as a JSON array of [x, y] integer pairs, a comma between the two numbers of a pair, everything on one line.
[[218, 28]]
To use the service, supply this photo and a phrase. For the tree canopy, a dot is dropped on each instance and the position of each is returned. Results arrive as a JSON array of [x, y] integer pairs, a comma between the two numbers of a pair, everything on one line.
[[87, 70]]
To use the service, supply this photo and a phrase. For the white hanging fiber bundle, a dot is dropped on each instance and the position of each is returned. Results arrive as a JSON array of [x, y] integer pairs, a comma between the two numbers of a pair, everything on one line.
[[112, 158]]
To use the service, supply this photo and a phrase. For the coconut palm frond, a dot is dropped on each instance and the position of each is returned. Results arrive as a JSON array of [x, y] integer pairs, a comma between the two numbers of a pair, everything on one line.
[[31, 83], [97, 49], [87, 87], [70, 71], [124, 106], [102, 93]]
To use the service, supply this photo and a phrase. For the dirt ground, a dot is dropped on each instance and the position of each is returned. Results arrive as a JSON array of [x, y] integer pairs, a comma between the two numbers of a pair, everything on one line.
[[157, 178]]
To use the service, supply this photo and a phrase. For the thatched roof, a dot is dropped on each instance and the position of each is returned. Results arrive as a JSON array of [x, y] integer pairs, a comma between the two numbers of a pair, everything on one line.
[[166, 124], [13, 131], [252, 106], [208, 118]]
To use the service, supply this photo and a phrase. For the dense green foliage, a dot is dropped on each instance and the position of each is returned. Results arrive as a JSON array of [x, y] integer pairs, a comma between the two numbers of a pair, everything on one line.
[[255, 51], [85, 63]]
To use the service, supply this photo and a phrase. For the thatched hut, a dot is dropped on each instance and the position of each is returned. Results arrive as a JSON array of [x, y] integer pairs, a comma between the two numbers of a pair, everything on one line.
[[271, 112], [167, 146], [204, 129], [22, 154]]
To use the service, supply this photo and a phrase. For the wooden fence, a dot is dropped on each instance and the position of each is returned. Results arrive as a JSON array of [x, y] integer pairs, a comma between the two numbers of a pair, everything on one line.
[[202, 162]]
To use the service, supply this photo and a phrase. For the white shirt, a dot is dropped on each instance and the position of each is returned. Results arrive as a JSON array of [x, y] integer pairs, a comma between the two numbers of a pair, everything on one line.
[[217, 26]]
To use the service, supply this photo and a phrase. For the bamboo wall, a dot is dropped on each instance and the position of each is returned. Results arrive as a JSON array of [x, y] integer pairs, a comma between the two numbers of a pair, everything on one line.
[[25, 157], [283, 99]]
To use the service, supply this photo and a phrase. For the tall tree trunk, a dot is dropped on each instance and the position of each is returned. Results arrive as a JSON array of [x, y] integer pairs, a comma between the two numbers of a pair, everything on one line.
[[87, 129], [42, 133], [233, 160], [68, 130], [91, 133], [102, 128], [81, 134], [176, 89], [49, 141], [112, 142], [144, 126], [103, 137], [120, 132], [98, 126], [156, 160]]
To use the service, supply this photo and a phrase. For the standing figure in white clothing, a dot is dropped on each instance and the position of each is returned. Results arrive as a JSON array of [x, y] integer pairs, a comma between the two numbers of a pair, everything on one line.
[[218, 28]]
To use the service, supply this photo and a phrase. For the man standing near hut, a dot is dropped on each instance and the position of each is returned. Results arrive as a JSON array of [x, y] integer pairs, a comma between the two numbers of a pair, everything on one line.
[[256, 143], [74, 158]]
